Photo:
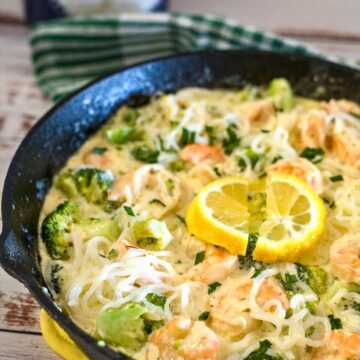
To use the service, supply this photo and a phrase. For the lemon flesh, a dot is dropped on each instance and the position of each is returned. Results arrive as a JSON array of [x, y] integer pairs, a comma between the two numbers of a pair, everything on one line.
[[285, 213]]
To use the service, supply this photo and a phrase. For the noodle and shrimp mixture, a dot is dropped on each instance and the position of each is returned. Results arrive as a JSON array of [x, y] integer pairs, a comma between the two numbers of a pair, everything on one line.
[[213, 224]]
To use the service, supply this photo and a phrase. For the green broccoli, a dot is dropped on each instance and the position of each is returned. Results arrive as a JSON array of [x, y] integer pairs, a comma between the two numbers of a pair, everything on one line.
[[145, 154], [121, 135], [54, 228], [91, 183], [124, 327], [151, 234], [281, 91], [314, 276], [58, 223]]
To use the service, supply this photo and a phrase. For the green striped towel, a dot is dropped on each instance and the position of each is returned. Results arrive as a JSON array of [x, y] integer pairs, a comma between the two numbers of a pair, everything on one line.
[[70, 52]]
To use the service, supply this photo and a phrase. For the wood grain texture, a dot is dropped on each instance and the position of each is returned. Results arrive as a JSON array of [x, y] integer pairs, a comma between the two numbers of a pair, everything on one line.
[[15, 346]]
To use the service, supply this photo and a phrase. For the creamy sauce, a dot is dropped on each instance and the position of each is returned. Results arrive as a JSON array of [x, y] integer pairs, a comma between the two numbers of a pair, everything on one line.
[[211, 308]]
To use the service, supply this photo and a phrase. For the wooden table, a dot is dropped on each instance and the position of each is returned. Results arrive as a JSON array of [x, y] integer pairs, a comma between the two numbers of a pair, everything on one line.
[[21, 104]]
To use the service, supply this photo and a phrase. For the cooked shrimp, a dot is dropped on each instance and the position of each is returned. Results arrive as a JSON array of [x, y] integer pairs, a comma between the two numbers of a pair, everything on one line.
[[152, 186], [313, 130], [341, 345], [197, 153], [99, 161], [302, 168], [229, 305], [217, 266], [179, 339], [341, 105], [345, 258], [346, 147], [258, 111]]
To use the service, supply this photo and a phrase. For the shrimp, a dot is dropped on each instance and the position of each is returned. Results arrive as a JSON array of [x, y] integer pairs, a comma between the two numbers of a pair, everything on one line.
[[345, 258], [301, 168], [313, 130], [229, 305], [316, 133], [341, 345], [258, 111], [99, 161], [179, 339], [156, 189], [346, 146], [341, 105], [217, 266], [197, 153]]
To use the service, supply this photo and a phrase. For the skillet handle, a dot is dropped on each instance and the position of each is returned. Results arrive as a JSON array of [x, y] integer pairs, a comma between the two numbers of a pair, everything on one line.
[[13, 256]]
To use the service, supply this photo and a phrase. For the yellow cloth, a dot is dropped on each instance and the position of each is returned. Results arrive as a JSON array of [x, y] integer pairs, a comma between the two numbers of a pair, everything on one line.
[[58, 339]]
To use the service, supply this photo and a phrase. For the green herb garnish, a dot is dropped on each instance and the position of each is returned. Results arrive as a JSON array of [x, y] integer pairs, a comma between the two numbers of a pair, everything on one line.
[[335, 322], [204, 316], [212, 287], [157, 300], [336, 178], [315, 155], [129, 210], [199, 258]]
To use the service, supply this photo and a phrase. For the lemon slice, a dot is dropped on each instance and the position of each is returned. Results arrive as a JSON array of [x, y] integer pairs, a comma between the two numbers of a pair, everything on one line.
[[285, 212]]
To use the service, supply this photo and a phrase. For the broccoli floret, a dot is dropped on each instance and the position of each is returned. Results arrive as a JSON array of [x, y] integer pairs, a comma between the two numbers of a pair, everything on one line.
[[121, 135], [281, 91], [54, 228], [91, 183], [314, 276], [124, 327], [151, 234], [59, 222], [98, 227], [145, 154]]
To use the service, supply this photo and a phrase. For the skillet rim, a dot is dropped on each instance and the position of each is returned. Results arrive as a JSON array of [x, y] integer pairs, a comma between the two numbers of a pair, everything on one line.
[[87, 343]]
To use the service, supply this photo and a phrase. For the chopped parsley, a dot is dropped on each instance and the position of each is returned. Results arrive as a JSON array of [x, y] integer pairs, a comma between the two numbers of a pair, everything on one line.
[[209, 129], [204, 316], [289, 282], [181, 219], [212, 287], [356, 306], [336, 178], [265, 131], [331, 203], [252, 156], [258, 270], [276, 159], [246, 261], [129, 210], [355, 115], [315, 155], [261, 352], [231, 142], [157, 300], [199, 258], [145, 154], [335, 322], [187, 137], [112, 254], [216, 171], [98, 150], [157, 201]]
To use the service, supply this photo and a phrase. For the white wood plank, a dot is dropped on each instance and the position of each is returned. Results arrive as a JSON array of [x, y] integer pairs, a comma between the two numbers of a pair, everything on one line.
[[19, 311], [25, 347]]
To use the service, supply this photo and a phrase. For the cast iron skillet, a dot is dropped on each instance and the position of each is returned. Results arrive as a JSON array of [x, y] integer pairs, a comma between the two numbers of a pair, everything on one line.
[[64, 128]]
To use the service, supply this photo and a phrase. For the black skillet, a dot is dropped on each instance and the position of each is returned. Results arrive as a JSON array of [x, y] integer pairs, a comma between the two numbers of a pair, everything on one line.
[[64, 128]]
